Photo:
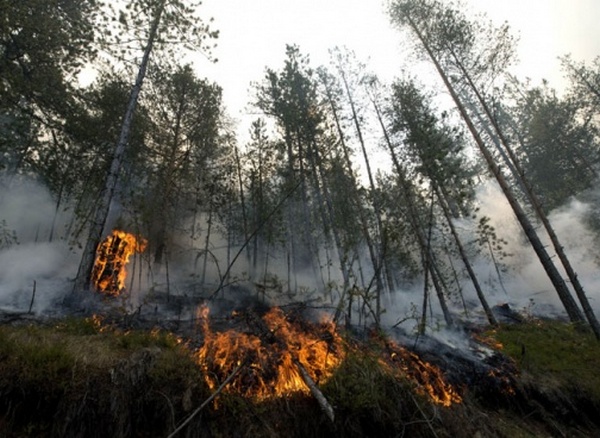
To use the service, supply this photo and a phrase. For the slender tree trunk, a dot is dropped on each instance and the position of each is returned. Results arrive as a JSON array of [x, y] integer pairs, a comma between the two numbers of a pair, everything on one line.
[[426, 267], [378, 259], [206, 245], [537, 206], [465, 259], [413, 216], [82, 281], [355, 198], [558, 282]]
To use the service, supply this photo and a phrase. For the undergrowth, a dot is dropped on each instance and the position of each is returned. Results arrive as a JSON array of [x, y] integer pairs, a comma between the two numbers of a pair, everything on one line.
[[81, 377]]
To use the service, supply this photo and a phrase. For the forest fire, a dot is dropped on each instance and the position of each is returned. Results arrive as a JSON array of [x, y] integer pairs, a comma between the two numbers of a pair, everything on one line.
[[112, 256], [274, 356], [429, 378], [278, 349]]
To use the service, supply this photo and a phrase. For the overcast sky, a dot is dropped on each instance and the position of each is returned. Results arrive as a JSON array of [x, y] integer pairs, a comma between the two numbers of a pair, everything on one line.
[[254, 34]]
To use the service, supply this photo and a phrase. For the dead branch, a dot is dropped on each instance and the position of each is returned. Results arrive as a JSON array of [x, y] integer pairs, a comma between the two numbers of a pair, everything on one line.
[[208, 400], [315, 391]]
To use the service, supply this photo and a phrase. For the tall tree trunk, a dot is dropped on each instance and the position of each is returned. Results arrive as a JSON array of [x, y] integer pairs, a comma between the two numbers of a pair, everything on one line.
[[355, 198], [413, 217], [378, 260], [465, 258], [558, 282], [537, 206], [82, 281]]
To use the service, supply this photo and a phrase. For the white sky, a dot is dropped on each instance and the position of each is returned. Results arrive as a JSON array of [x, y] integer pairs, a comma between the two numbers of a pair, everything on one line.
[[254, 34]]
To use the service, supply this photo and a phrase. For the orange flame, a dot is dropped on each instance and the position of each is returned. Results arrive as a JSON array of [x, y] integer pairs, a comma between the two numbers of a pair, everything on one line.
[[112, 256], [271, 370], [271, 357], [429, 379]]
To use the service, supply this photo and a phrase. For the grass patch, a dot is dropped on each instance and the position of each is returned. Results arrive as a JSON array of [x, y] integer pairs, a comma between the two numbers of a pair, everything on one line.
[[81, 377], [78, 378], [556, 352]]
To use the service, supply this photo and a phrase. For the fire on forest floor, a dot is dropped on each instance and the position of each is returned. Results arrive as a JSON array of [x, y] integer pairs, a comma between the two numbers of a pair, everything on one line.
[[100, 377], [272, 346]]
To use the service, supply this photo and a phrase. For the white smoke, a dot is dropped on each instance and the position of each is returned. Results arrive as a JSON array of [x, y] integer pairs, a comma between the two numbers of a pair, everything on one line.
[[527, 288], [527, 280], [26, 213]]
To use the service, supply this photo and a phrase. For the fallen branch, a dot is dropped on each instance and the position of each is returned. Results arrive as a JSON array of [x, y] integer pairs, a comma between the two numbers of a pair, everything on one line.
[[208, 400], [315, 391]]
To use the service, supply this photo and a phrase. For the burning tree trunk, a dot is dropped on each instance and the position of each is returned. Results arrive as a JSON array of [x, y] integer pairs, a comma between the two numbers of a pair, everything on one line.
[[109, 271], [82, 281]]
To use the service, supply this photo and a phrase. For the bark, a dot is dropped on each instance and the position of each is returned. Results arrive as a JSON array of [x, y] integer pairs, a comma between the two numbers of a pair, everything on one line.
[[377, 210], [355, 198], [465, 259], [413, 217], [315, 391]]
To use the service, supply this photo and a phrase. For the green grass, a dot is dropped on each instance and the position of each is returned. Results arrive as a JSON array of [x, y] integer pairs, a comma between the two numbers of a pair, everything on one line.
[[555, 353]]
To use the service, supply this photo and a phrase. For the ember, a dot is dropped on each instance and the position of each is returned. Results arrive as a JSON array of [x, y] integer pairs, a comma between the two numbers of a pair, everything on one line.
[[273, 356], [112, 256]]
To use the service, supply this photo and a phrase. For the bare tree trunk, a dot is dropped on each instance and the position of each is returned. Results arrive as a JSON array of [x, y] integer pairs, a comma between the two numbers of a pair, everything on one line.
[[378, 259], [519, 173], [355, 198], [465, 259], [412, 214], [558, 282], [82, 281]]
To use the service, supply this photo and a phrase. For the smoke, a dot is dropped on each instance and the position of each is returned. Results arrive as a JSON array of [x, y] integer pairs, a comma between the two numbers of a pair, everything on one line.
[[526, 281], [27, 257], [522, 283]]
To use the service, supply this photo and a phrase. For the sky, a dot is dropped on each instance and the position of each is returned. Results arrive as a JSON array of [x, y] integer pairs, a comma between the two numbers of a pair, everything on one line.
[[253, 36]]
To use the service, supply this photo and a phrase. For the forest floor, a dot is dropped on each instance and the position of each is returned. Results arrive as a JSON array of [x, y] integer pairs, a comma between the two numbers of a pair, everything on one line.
[[88, 377]]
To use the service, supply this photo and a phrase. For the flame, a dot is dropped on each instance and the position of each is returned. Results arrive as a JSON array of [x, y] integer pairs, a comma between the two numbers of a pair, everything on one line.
[[428, 378], [271, 357], [112, 256]]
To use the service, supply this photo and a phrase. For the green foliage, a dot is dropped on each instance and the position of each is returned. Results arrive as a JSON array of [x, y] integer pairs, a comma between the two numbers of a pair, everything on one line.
[[559, 145]]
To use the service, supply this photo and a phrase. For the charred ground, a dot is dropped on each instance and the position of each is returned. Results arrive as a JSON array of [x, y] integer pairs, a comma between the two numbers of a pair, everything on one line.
[[121, 376]]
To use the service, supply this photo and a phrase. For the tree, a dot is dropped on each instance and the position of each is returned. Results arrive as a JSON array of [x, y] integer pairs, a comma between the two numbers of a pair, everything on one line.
[[290, 98], [450, 43], [182, 143], [351, 80], [559, 153], [436, 150], [43, 45], [154, 24]]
